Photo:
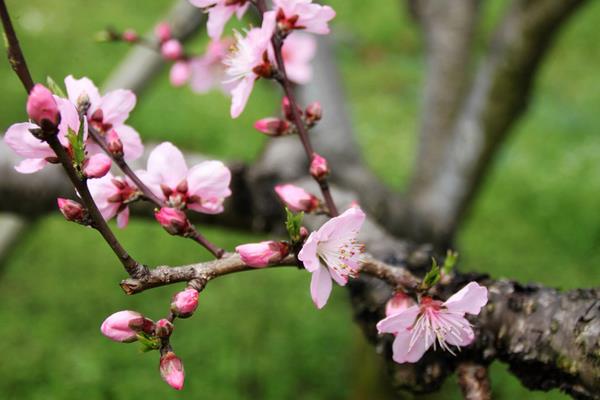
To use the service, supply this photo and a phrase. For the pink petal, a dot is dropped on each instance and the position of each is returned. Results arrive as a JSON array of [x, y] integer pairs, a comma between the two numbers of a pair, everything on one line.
[[123, 218], [308, 253], [459, 330], [346, 224], [203, 3], [31, 165], [132, 143], [240, 95], [117, 105], [402, 352], [77, 87], [398, 322], [21, 141], [469, 299], [210, 181], [167, 163], [217, 18], [320, 286], [101, 190]]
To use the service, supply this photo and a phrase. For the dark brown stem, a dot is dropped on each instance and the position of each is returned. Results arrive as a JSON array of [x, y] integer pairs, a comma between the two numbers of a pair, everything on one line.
[[133, 268], [15, 55], [474, 381], [198, 237]]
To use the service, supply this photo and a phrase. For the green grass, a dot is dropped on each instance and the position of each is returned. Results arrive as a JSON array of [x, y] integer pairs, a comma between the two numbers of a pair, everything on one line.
[[257, 335]]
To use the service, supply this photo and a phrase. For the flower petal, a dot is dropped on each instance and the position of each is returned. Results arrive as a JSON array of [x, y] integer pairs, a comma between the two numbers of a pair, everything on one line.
[[123, 218], [469, 299], [167, 163], [398, 322], [210, 181], [308, 253], [240, 95], [346, 224], [320, 286], [31, 165], [77, 87], [117, 105], [217, 18], [21, 141], [132, 143], [403, 352]]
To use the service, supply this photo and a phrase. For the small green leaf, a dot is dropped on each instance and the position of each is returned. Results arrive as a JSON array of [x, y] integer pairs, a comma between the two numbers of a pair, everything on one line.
[[76, 141], [54, 87], [148, 343], [432, 277], [450, 261], [293, 223]]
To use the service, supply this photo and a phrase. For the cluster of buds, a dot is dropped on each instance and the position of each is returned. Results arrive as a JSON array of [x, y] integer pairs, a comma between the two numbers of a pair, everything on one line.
[[274, 126]]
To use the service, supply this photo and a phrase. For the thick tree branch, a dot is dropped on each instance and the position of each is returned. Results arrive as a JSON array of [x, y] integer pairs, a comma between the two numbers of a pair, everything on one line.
[[474, 381]]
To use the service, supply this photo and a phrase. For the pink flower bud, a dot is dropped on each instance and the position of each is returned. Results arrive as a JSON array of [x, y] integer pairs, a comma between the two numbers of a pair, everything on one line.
[[180, 73], [116, 327], [296, 198], [114, 143], [303, 233], [172, 49], [286, 107], [163, 32], [171, 370], [399, 302], [173, 220], [262, 254], [185, 303], [97, 165], [318, 167], [72, 210], [42, 106], [163, 328], [314, 112], [272, 126], [130, 36]]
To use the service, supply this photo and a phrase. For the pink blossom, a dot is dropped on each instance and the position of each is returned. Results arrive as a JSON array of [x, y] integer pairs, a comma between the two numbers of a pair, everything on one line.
[[72, 210], [116, 327], [107, 112], [180, 73], [184, 303], [163, 31], [302, 14], [273, 126], [172, 49], [242, 64], [173, 220], [171, 370], [399, 302], [262, 254], [208, 71], [219, 12], [35, 152], [111, 196], [318, 167], [41, 105], [202, 188], [332, 252], [97, 165], [296, 198], [297, 51], [130, 36], [434, 322]]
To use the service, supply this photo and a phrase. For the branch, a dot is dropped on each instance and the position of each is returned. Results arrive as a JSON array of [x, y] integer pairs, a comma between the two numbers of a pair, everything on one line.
[[14, 53]]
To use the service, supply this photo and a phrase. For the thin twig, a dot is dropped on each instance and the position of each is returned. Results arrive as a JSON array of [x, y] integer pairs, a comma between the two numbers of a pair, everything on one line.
[[14, 52]]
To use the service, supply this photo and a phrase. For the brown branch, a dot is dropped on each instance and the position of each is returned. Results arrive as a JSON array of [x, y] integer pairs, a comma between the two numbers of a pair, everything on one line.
[[474, 381], [14, 53], [201, 273]]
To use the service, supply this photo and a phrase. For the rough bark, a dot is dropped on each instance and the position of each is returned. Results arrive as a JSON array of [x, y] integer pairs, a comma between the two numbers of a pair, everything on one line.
[[498, 96]]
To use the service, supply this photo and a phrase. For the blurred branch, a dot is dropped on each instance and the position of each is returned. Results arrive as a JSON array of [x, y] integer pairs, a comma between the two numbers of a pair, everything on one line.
[[474, 381], [441, 195]]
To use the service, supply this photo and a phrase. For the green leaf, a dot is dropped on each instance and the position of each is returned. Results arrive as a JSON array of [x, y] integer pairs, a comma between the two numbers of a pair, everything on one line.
[[450, 261], [148, 343], [76, 141], [293, 223], [432, 277], [54, 87]]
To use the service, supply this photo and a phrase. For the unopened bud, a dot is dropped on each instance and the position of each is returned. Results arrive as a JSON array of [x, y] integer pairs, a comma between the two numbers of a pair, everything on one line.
[[172, 49], [96, 166], [286, 107], [173, 220], [72, 210], [313, 113], [180, 73], [272, 126], [163, 328], [261, 254], [163, 32], [303, 233], [42, 108], [142, 324], [114, 143], [296, 198], [318, 167], [399, 302], [185, 303], [171, 370], [130, 36], [116, 327]]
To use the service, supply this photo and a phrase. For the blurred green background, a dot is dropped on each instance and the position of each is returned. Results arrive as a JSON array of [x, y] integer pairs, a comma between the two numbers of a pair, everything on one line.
[[257, 335]]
